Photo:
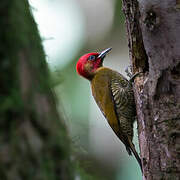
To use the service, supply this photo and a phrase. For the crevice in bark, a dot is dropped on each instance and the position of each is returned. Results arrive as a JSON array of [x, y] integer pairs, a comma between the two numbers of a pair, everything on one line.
[[164, 86], [137, 52]]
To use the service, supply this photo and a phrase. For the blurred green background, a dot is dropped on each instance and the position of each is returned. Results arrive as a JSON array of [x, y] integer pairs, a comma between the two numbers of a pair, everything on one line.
[[69, 29]]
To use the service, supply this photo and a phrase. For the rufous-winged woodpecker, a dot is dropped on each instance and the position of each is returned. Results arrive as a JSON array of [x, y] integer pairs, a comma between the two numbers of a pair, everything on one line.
[[113, 94]]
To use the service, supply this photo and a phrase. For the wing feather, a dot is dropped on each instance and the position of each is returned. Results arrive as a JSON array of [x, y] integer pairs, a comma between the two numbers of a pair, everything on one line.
[[123, 99]]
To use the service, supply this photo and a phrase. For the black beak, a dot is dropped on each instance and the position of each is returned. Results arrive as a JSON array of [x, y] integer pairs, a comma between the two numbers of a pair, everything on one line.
[[103, 53]]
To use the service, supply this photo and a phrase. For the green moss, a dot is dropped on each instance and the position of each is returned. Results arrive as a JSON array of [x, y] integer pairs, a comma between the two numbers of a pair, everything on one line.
[[33, 137]]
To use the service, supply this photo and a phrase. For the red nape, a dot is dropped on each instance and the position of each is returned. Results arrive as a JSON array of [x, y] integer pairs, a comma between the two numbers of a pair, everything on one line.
[[80, 68]]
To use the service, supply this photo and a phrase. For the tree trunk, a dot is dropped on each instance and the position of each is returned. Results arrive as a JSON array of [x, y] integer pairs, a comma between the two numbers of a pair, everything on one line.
[[33, 139], [153, 29]]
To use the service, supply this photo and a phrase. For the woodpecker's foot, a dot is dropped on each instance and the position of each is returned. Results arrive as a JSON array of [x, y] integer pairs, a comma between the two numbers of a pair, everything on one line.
[[134, 76], [128, 71]]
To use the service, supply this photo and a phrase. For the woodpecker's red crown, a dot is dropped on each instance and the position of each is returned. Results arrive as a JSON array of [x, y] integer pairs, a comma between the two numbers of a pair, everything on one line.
[[89, 63]]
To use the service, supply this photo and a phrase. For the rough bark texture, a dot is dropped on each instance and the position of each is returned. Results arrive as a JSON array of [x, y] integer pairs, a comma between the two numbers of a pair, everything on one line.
[[153, 33], [33, 139]]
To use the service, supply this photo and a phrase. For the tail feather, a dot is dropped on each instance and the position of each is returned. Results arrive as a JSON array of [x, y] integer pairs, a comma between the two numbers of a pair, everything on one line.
[[135, 153]]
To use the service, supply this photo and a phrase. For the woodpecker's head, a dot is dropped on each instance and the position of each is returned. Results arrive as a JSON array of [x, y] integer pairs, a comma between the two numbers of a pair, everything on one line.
[[89, 63]]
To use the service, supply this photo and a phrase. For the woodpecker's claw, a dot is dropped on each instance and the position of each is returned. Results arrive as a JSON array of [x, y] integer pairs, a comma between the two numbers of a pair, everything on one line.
[[129, 73]]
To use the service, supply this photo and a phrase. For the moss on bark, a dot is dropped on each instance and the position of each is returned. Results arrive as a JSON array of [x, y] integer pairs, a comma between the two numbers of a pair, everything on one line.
[[33, 137]]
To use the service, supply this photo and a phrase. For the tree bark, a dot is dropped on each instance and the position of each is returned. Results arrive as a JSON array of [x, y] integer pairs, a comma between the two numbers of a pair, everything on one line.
[[153, 29], [33, 138]]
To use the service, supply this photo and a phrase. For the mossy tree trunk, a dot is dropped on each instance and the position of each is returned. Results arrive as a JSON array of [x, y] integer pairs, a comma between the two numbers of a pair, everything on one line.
[[33, 139], [153, 29]]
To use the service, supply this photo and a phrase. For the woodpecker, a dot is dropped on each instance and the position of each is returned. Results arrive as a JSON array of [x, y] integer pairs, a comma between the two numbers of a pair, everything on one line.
[[113, 94]]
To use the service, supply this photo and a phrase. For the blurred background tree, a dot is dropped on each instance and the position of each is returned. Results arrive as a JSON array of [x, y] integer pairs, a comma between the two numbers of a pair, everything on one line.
[[33, 141]]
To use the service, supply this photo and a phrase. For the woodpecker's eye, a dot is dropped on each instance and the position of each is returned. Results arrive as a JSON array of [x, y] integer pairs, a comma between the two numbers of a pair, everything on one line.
[[91, 58]]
